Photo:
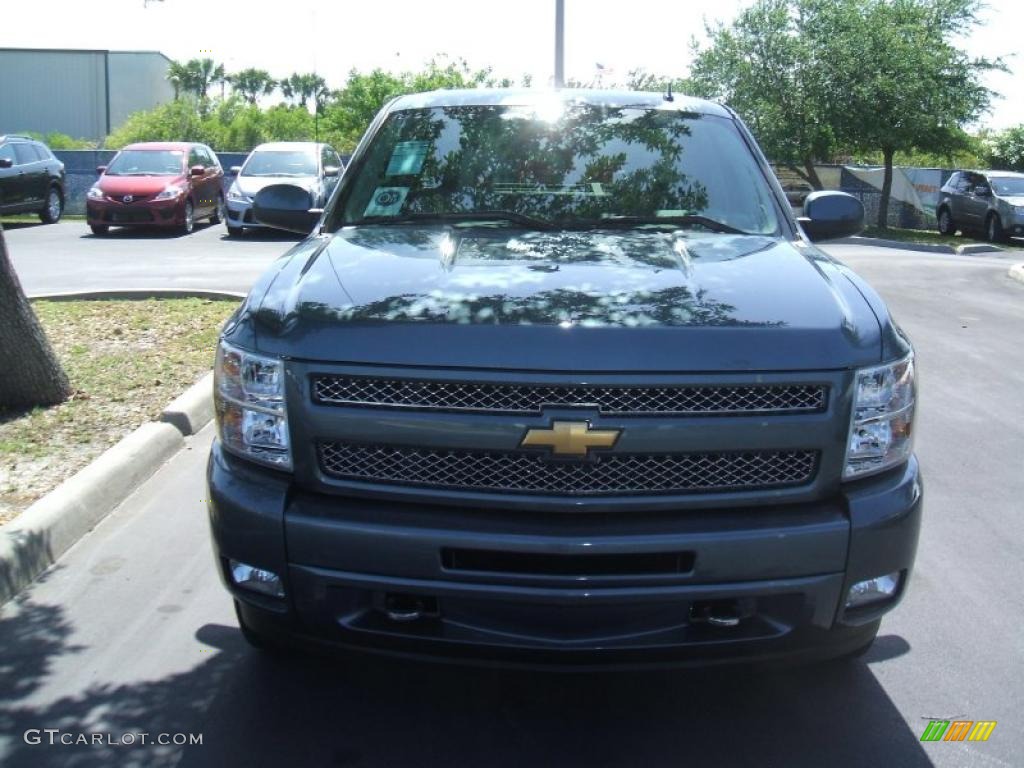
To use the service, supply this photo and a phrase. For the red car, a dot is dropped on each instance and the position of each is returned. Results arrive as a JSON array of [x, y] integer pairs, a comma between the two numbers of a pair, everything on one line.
[[157, 184]]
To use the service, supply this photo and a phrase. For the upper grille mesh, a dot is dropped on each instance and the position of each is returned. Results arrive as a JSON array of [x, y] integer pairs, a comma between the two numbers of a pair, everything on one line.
[[531, 398], [528, 472]]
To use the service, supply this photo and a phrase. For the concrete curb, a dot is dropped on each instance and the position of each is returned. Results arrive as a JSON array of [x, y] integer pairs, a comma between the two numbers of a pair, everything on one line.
[[1017, 273], [876, 242], [968, 249], [36, 538], [193, 408]]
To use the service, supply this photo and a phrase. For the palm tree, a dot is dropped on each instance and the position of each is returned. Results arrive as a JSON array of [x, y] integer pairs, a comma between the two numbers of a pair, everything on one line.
[[300, 88], [202, 73], [178, 77], [252, 83]]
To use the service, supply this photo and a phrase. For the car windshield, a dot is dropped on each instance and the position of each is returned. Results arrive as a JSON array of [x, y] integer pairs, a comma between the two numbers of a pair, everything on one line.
[[1008, 185], [567, 166], [147, 162], [293, 162]]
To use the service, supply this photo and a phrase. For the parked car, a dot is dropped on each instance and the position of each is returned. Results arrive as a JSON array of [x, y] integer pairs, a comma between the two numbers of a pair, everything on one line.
[[157, 184], [988, 202], [306, 164], [31, 179], [559, 378]]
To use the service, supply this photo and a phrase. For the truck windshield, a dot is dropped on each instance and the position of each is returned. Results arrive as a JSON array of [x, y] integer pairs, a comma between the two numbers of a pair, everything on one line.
[[148, 162], [581, 166]]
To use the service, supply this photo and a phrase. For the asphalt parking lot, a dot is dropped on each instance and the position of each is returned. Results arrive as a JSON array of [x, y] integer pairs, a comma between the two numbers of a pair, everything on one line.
[[132, 632], [68, 257]]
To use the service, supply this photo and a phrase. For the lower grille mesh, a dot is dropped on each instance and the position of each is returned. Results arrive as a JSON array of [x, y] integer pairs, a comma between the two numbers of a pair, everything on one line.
[[528, 472]]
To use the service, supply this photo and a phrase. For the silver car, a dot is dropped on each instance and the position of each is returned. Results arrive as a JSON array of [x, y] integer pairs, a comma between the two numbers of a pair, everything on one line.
[[991, 202], [314, 167]]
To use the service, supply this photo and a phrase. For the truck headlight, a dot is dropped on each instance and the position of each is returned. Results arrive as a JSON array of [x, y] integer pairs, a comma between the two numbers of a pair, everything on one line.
[[252, 418], [881, 425]]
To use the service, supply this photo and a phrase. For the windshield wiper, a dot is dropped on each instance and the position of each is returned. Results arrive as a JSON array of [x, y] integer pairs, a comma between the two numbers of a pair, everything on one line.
[[457, 218], [629, 222]]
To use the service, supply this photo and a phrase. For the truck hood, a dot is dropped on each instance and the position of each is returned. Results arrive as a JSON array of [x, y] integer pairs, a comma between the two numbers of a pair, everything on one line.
[[568, 301]]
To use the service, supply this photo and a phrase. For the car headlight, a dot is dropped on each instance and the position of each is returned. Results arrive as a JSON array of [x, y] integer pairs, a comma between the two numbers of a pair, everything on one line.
[[252, 418], [95, 193], [881, 425], [235, 193], [170, 192]]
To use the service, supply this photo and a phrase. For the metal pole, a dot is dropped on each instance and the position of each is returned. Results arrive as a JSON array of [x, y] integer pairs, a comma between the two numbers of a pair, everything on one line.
[[559, 43]]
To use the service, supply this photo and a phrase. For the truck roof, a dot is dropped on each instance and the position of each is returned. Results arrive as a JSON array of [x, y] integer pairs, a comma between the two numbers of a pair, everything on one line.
[[540, 96]]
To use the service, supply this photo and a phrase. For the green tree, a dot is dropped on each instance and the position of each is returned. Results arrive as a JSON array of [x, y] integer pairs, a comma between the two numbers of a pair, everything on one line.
[[897, 79], [765, 66], [353, 108], [1006, 150], [252, 83]]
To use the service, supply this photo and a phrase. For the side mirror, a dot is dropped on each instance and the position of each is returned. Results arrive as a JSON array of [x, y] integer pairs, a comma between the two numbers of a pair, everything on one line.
[[829, 215], [197, 170], [331, 170], [6, 162], [101, 169], [983, 190], [286, 206], [236, 169]]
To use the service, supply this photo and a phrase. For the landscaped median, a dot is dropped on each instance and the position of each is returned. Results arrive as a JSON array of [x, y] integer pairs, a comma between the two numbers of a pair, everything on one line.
[[64, 467]]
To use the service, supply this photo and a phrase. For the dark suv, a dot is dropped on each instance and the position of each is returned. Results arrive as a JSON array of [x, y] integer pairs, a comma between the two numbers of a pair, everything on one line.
[[989, 202], [31, 179], [558, 377]]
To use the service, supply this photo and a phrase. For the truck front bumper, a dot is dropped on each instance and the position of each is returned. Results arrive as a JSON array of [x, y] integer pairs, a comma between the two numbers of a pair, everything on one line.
[[564, 589]]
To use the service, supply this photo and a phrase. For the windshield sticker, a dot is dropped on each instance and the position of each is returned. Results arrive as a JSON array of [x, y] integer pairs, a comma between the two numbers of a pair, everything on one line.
[[386, 201], [407, 158]]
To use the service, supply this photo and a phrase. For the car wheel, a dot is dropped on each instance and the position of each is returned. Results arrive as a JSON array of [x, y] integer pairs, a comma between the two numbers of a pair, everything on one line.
[[99, 229], [219, 214], [994, 229], [190, 219], [235, 231], [946, 225], [54, 207]]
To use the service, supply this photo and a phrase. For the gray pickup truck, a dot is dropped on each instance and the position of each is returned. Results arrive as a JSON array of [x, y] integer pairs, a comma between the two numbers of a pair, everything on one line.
[[558, 379]]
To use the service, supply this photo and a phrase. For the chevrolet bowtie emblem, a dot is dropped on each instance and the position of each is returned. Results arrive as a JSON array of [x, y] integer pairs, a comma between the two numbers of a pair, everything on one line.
[[569, 438]]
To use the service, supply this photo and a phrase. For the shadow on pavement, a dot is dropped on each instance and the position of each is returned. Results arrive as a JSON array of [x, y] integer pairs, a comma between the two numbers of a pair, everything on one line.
[[264, 236], [145, 233], [257, 710]]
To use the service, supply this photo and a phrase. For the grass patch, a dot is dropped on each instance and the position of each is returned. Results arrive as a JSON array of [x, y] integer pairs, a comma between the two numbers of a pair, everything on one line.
[[930, 237], [126, 361]]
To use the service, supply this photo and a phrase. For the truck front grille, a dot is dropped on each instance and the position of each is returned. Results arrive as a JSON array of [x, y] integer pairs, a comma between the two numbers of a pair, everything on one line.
[[528, 472], [345, 390]]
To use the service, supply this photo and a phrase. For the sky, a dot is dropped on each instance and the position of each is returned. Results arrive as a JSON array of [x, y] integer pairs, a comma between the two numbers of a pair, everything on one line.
[[511, 37]]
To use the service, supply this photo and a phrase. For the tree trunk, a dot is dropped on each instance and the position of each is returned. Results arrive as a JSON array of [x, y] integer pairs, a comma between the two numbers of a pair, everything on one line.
[[883, 203], [812, 173], [30, 373]]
